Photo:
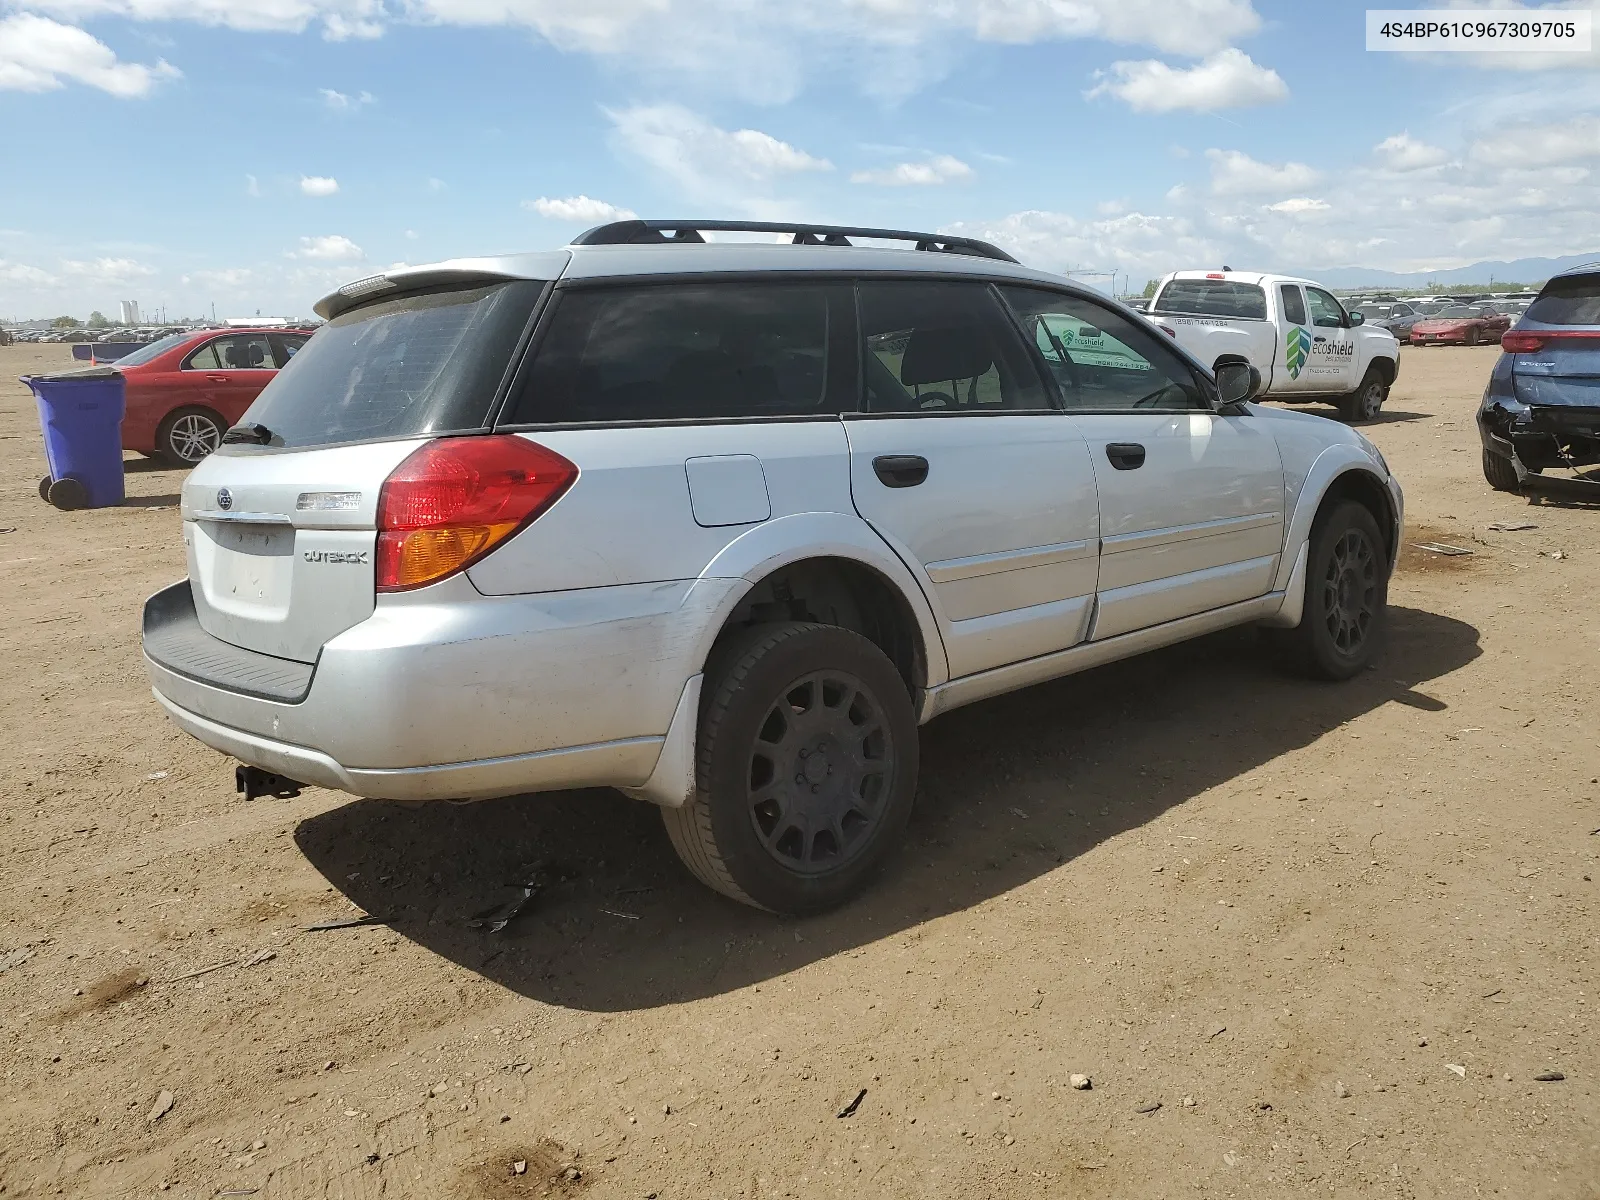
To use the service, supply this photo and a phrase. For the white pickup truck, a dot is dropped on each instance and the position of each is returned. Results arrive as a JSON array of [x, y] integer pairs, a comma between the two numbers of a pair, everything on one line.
[[1301, 339]]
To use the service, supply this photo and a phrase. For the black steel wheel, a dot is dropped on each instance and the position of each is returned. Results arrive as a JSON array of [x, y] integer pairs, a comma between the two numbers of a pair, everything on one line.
[[1346, 598], [806, 768], [1364, 403]]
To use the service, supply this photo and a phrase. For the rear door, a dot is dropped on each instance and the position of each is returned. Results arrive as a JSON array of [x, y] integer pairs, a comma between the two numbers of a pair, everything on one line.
[[695, 410], [961, 460], [280, 537], [1191, 502]]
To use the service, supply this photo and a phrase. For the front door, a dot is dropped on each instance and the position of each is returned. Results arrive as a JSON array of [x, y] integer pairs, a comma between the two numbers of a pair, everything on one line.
[[961, 461], [1331, 366], [1191, 502]]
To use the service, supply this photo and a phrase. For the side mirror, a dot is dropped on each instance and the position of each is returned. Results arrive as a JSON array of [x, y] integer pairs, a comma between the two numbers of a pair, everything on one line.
[[1356, 319], [1237, 382]]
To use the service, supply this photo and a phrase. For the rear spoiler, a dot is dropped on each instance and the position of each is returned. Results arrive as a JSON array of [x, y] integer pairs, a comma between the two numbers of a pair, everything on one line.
[[457, 272], [375, 286]]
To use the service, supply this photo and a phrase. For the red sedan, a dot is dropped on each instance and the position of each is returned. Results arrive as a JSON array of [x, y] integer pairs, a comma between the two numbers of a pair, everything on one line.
[[185, 390], [1461, 324]]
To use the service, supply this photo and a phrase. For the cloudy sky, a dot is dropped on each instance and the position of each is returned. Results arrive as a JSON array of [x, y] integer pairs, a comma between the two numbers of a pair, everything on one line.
[[254, 153]]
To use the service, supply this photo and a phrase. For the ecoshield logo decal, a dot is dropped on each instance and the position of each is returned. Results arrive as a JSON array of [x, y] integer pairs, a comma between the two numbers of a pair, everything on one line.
[[1298, 345]]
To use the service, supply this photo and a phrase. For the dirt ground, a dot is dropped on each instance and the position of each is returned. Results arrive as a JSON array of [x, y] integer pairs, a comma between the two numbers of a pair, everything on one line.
[[1336, 932]]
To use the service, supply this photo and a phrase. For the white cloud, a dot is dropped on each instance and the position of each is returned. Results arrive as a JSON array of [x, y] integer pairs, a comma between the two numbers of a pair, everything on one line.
[[331, 247], [1235, 173], [318, 185], [252, 186], [340, 18], [1402, 152], [766, 51], [582, 209], [1228, 79], [344, 102], [437, 185], [40, 55], [1544, 145], [709, 164], [106, 270], [941, 168], [226, 279], [1133, 242], [1298, 205], [24, 275], [411, 235]]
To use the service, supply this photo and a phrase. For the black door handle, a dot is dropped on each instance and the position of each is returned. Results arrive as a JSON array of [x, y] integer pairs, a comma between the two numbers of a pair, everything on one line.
[[1125, 456], [900, 470]]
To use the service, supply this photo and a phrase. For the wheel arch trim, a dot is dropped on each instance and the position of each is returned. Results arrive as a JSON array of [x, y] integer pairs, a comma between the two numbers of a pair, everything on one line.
[[1330, 467]]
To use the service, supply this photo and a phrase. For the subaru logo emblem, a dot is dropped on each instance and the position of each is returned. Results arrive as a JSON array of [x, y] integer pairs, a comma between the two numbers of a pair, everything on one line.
[[224, 499]]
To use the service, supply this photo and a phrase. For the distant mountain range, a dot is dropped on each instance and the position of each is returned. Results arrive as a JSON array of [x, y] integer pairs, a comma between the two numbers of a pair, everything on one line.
[[1520, 270]]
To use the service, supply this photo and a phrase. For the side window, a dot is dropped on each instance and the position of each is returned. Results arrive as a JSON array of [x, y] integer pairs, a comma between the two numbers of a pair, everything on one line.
[[205, 358], [1325, 310], [1294, 304], [684, 352], [1401, 310], [1101, 360], [284, 346], [246, 353], [942, 346]]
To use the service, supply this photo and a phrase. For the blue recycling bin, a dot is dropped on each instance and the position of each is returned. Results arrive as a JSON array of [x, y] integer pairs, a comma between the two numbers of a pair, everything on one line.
[[80, 413]]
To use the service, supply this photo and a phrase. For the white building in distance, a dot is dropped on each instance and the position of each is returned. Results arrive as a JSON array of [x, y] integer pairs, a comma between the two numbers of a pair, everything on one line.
[[130, 312]]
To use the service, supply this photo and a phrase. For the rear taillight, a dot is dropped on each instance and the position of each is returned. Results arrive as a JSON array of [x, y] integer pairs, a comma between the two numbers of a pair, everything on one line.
[[1168, 330], [455, 499], [1528, 343]]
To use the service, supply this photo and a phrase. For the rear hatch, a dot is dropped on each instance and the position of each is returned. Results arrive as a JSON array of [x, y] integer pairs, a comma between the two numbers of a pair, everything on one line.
[[1555, 347], [280, 523]]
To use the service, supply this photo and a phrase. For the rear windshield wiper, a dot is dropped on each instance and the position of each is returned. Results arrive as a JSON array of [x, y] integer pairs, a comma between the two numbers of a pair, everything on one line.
[[254, 435]]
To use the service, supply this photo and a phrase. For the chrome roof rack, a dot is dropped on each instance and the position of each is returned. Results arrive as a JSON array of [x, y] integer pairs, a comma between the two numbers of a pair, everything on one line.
[[636, 233]]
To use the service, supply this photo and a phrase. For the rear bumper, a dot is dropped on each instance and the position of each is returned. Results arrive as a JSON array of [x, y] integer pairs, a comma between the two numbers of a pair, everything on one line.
[[447, 693], [623, 763]]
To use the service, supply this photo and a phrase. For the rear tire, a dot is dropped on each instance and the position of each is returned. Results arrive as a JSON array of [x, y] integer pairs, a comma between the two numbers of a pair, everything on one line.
[[1366, 401], [805, 770], [1346, 601], [187, 435], [1500, 472]]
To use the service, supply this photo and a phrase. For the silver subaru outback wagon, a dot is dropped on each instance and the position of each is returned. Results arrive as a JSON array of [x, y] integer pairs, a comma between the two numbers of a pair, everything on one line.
[[721, 523]]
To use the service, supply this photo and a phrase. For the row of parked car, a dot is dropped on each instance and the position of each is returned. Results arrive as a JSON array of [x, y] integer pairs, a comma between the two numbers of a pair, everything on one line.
[[119, 334]]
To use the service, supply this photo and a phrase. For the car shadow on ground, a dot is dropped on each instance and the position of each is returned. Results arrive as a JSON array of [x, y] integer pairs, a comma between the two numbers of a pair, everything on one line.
[[165, 500], [1011, 789], [146, 466]]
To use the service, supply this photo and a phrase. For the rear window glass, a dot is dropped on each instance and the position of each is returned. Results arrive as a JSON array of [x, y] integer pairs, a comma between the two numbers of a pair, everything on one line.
[[420, 364], [1212, 298], [1571, 300], [153, 350], [681, 352]]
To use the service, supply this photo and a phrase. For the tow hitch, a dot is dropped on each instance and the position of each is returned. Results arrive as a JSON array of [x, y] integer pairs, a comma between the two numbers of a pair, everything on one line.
[[253, 782]]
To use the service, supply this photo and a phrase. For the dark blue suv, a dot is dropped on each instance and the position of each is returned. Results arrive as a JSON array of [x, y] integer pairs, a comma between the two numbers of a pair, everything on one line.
[[1542, 406]]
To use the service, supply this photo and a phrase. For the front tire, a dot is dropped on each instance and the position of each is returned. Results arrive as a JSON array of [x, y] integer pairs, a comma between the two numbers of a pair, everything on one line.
[[805, 772], [1472, 337], [1500, 472], [1346, 601], [187, 435], [1366, 401]]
